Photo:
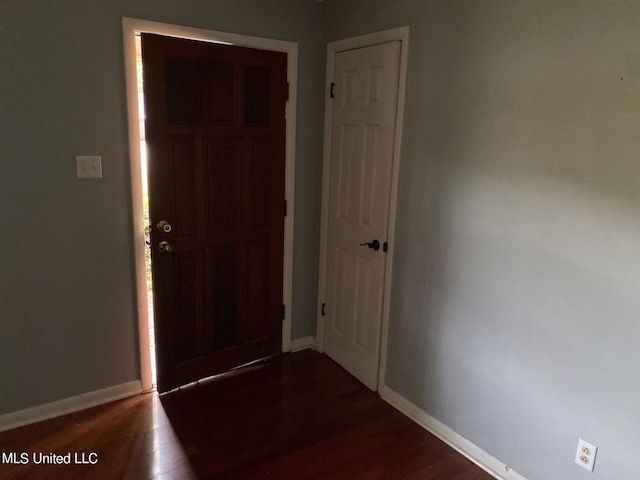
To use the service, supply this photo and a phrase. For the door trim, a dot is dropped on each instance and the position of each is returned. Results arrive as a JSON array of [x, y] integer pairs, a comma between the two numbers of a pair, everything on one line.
[[397, 34], [130, 28]]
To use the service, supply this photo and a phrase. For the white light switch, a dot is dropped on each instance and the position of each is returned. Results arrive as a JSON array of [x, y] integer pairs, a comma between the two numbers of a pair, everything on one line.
[[89, 166]]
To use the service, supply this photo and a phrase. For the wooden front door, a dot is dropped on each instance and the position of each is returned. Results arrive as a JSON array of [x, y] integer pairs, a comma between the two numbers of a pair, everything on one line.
[[215, 131]]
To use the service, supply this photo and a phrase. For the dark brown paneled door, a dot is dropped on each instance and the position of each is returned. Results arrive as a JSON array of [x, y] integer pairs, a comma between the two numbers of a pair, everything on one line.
[[215, 130]]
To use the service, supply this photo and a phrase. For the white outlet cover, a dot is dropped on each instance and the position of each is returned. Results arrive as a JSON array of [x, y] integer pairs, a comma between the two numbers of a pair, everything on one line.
[[589, 453], [89, 166]]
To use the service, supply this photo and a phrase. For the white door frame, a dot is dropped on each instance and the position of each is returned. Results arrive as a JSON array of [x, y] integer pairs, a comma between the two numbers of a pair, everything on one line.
[[397, 34], [132, 27]]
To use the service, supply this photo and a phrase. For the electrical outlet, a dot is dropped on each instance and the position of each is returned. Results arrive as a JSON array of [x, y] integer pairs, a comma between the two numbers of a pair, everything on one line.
[[586, 455]]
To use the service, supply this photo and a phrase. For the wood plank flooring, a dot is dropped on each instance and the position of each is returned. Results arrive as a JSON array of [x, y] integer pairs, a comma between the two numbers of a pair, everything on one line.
[[297, 416]]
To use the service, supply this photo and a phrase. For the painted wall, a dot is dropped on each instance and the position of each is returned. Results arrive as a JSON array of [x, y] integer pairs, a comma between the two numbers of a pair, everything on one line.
[[515, 316], [67, 297], [516, 288]]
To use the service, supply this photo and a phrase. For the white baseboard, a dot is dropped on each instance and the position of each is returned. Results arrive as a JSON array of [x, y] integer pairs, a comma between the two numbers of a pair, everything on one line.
[[68, 405], [303, 344], [488, 463]]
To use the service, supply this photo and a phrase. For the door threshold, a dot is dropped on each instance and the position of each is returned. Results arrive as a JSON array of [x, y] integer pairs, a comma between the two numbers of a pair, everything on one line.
[[253, 362], [244, 368]]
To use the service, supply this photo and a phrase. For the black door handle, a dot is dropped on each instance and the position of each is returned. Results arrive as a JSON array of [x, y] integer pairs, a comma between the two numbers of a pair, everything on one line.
[[375, 245]]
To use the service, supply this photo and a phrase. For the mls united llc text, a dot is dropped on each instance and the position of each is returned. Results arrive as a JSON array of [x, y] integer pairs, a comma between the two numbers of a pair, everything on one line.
[[39, 458]]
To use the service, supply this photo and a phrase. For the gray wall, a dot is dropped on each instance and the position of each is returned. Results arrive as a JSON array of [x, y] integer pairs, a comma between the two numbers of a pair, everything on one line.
[[516, 288], [67, 297]]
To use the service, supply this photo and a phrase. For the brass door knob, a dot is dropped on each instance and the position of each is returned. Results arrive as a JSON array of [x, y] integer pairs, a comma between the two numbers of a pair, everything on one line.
[[165, 247], [163, 226]]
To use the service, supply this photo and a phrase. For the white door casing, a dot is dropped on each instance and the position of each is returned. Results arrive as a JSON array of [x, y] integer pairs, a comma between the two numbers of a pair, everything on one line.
[[132, 27], [360, 185]]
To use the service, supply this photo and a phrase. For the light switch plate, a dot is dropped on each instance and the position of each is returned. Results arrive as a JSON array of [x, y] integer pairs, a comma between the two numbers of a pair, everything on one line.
[[89, 166]]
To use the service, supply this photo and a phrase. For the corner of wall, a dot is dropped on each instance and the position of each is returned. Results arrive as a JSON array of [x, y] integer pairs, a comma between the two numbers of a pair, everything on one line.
[[484, 460]]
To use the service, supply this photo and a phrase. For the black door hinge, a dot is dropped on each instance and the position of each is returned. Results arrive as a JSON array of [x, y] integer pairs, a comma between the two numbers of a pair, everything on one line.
[[286, 92], [385, 246], [324, 305], [285, 208], [283, 311], [331, 91]]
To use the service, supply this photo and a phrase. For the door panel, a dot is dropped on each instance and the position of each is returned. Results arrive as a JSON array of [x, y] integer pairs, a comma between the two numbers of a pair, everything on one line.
[[363, 129], [224, 308], [223, 158], [218, 94], [188, 277], [215, 130]]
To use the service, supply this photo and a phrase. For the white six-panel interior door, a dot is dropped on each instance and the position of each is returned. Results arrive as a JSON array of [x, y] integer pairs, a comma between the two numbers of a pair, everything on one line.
[[356, 219]]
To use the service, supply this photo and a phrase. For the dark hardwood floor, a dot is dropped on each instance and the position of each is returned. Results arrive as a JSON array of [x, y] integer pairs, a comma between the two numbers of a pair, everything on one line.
[[298, 416]]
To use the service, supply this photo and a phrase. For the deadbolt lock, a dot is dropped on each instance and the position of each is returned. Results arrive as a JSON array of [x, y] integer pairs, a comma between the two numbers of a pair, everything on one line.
[[163, 226]]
